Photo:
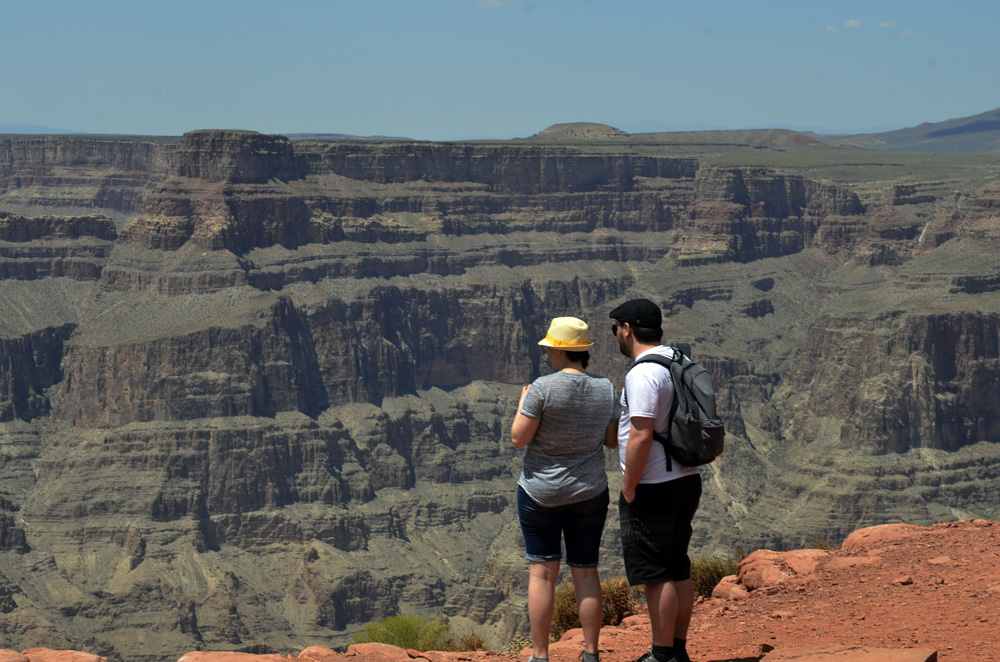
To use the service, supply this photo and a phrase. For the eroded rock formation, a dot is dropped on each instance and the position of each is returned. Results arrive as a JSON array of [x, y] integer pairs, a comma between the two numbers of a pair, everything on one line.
[[275, 404]]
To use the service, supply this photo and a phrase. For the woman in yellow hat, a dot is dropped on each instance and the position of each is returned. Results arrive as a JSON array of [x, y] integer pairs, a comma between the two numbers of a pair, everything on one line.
[[564, 421]]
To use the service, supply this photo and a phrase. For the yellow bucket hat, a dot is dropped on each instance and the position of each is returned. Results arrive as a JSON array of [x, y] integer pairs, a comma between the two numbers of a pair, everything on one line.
[[569, 334]]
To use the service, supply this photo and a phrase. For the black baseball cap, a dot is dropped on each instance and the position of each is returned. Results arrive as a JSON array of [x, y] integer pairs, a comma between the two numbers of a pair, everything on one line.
[[642, 313]]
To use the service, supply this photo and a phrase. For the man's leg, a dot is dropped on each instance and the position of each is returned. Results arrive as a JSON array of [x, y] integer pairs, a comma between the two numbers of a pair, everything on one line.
[[589, 605], [685, 607], [655, 543], [663, 608], [542, 579], [670, 606], [687, 504]]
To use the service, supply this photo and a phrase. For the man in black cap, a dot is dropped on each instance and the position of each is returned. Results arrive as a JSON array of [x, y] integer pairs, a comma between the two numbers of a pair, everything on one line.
[[659, 496]]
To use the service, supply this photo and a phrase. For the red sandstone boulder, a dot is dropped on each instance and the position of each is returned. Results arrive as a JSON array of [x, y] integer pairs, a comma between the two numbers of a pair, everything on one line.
[[228, 656], [49, 655], [7, 655], [439, 656], [635, 621], [832, 653], [569, 635], [874, 535], [729, 588], [804, 561], [319, 654], [760, 569], [375, 652]]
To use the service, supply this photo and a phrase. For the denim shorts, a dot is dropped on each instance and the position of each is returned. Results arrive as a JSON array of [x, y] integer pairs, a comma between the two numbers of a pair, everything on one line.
[[656, 530], [582, 524]]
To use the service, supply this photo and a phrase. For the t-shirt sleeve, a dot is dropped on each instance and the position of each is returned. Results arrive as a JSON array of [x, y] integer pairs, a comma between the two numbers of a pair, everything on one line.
[[534, 401], [642, 387], [616, 409]]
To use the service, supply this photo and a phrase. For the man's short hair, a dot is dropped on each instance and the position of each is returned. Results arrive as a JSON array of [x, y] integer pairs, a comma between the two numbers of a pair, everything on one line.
[[647, 336]]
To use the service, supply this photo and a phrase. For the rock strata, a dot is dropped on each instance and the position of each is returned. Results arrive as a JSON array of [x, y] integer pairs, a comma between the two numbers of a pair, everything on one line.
[[54, 247], [235, 156], [274, 406], [80, 174]]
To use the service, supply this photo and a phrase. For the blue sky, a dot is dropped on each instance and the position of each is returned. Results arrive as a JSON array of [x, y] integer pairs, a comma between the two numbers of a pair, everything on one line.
[[457, 69]]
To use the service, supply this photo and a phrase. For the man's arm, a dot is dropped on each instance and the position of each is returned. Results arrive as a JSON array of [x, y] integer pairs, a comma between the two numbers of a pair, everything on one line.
[[640, 438]]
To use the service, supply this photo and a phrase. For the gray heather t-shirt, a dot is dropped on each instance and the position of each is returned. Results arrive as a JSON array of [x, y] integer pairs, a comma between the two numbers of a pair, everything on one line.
[[564, 463]]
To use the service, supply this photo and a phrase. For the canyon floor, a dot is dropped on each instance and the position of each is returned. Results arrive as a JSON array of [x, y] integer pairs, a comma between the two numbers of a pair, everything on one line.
[[895, 592]]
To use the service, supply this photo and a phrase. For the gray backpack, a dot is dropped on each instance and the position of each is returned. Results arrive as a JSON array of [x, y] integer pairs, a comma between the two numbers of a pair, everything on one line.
[[696, 433]]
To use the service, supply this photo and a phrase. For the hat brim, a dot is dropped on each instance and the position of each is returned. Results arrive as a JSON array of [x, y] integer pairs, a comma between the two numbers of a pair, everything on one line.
[[544, 342]]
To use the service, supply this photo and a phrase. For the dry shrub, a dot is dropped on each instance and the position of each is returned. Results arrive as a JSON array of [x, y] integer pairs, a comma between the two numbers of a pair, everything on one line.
[[472, 641], [564, 616], [516, 645], [707, 573], [619, 600]]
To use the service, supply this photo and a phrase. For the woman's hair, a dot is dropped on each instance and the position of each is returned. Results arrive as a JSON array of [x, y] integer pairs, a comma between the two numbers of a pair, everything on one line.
[[582, 358]]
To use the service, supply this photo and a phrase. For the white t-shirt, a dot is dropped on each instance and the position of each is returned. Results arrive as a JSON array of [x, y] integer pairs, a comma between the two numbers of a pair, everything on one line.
[[650, 394]]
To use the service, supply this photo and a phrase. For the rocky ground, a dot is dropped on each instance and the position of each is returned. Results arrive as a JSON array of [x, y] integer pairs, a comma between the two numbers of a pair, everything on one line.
[[892, 593]]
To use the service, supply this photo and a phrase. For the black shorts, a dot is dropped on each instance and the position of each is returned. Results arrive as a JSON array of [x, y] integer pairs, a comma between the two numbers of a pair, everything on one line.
[[656, 530]]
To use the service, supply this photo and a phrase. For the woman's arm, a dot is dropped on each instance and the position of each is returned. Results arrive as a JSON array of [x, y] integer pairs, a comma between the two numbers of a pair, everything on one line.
[[611, 435], [523, 429]]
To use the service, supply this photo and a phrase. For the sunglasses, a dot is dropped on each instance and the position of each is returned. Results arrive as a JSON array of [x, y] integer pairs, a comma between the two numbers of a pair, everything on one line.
[[614, 330]]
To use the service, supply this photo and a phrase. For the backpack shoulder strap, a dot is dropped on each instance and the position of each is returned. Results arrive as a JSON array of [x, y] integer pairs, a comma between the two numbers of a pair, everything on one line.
[[666, 362]]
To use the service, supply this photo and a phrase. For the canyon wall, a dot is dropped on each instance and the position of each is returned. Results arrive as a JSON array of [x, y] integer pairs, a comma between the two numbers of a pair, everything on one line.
[[81, 173], [260, 390]]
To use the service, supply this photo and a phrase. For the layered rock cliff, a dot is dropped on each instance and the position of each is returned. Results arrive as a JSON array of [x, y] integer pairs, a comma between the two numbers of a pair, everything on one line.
[[275, 405], [80, 174]]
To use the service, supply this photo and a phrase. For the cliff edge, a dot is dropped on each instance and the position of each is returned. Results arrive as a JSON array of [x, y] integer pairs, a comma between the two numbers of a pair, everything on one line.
[[896, 592]]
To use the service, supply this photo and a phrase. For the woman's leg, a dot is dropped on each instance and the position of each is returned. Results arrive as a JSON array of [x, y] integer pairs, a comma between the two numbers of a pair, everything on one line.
[[542, 529], [542, 579], [583, 549], [589, 605]]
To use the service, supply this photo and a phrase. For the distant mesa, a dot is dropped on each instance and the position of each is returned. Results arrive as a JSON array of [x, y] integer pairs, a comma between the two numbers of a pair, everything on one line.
[[579, 131], [977, 134], [294, 137], [777, 138], [235, 156], [590, 131]]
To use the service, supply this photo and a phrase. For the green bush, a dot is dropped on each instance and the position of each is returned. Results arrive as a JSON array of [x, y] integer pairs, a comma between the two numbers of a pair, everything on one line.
[[619, 600], [707, 573], [422, 634]]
